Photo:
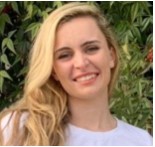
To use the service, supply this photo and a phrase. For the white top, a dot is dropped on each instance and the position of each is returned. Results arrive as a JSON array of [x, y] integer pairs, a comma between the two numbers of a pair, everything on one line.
[[123, 135], [7, 125]]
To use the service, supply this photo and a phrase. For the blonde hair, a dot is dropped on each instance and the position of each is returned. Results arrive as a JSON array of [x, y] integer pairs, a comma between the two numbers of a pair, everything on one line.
[[44, 99]]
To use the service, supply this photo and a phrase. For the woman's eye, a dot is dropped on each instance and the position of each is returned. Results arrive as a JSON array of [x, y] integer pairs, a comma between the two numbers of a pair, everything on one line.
[[92, 49], [64, 56]]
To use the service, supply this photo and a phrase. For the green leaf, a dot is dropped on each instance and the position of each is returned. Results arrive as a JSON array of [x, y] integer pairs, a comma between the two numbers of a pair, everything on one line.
[[1, 83], [145, 5], [34, 32], [17, 59], [145, 23], [11, 33], [149, 39], [8, 42], [4, 42], [136, 33], [23, 71], [4, 59], [58, 4], [111, 4], [2, 26], [11, 46], [140, 88], [5, 17], [2, 5], [29, 11], [126, 51], [48, 10], [33, 26], [44, 15], [4, 74], [15, 6], [134, 11]]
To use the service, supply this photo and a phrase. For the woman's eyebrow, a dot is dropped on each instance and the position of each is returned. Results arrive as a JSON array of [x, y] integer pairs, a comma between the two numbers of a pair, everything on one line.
[[89, 42], [61, 49], [82, 45]]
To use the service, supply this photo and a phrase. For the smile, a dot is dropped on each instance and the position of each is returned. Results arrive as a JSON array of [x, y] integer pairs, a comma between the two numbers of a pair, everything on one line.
[[86, 78]]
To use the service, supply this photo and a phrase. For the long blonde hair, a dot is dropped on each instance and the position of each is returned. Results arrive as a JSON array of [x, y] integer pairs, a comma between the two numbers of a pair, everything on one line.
[[44, 99]]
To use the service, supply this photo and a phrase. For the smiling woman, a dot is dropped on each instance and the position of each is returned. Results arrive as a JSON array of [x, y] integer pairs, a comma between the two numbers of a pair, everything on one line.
[[84, 61], [72, 71]]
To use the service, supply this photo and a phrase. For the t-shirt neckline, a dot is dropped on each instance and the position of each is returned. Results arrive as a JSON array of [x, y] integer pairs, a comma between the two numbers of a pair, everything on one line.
[[77, 130]]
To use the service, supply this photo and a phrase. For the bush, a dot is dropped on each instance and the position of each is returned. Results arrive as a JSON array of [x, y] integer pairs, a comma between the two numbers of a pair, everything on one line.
[[131, 21]]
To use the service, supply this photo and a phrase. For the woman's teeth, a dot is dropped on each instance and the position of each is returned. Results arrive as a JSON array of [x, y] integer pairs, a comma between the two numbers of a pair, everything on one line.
[[86, 78]]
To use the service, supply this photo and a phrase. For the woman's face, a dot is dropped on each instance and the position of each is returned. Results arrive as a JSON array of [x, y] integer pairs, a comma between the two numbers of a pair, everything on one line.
[[82, 58]]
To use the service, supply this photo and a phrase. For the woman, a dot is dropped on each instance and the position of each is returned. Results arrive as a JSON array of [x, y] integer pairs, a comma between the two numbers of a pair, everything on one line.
[[72, 70]]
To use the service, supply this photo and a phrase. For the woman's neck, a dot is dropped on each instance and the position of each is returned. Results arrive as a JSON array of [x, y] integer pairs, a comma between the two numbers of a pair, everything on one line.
[[92, 114]]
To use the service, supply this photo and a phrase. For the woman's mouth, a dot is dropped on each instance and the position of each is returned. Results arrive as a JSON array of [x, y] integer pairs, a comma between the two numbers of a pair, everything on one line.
[[86, 78]]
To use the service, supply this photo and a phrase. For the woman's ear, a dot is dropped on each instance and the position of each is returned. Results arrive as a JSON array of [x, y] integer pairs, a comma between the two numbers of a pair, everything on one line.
[[112, 57]]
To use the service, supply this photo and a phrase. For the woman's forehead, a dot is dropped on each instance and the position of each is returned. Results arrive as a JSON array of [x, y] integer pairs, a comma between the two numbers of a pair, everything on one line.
[[79, 28]]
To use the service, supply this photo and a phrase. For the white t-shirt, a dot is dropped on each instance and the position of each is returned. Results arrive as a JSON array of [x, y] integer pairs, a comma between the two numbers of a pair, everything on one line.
[[123, 135]]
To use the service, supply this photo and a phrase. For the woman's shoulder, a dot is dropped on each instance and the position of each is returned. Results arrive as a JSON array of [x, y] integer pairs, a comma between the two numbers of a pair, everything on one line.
[[134, 132], [126, 126], [8, 119]]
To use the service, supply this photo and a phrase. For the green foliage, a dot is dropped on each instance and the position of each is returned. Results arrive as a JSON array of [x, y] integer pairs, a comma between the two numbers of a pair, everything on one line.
[[131, 21]]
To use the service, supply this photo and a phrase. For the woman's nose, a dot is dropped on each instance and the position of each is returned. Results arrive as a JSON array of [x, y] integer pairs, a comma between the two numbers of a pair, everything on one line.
[[80, 61]]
